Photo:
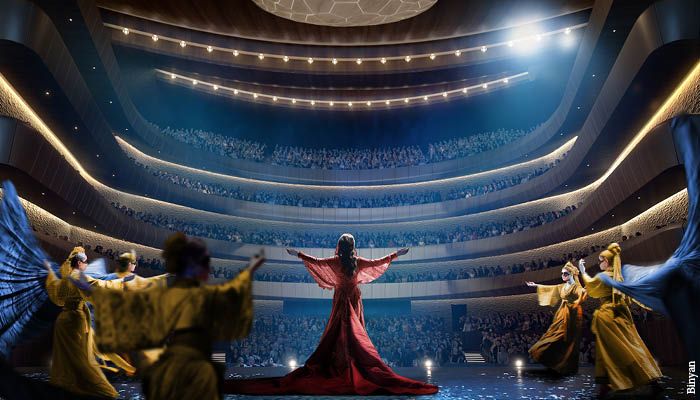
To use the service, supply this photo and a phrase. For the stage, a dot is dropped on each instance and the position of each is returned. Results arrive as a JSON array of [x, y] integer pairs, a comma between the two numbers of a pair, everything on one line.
[[486, 382]]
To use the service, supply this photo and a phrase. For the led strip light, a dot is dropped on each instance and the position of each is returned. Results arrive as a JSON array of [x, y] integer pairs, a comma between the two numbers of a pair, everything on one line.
[[535, 38], [217, 89]]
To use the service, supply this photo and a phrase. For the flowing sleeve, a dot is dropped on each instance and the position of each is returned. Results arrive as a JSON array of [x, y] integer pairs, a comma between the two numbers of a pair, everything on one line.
[[595, 287], [127, 321], [53, 289], [644, 285], [231, 308], [370, 270], [321, 269], [141, 283], [548, 295]]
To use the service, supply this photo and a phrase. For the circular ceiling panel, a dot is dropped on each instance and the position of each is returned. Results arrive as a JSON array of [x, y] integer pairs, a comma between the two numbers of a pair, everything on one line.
[[345, 12]]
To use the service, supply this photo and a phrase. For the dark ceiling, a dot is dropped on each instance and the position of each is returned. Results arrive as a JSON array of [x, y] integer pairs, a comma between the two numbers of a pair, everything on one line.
[[446, 19]]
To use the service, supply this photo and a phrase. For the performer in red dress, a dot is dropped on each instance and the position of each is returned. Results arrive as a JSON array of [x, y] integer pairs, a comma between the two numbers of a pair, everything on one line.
[[345, 361]]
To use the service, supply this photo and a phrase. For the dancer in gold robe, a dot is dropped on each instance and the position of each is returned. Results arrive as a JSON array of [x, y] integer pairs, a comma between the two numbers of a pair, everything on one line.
[[186, 317], [622, 359], [126, 265], [74, 366], [558, 348]]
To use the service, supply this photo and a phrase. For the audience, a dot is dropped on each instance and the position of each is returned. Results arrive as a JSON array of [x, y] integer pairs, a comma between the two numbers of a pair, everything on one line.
[[307, 239], [367, 201], [345, 159]]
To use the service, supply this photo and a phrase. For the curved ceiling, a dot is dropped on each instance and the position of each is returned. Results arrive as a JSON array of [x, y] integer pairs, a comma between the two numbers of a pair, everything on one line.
[[445, 19]]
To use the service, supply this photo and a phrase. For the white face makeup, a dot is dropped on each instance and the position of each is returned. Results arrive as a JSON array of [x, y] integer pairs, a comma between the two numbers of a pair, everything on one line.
[[565, 275]]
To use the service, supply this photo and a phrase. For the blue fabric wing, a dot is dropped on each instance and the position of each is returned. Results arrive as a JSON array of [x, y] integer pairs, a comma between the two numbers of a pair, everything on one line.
[[22, 272]]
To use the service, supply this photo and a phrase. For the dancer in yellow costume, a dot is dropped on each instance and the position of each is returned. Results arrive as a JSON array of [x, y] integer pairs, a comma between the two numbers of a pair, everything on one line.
[[74, 366], [622, 359], [125, 270], [186, 317], [558, 348]]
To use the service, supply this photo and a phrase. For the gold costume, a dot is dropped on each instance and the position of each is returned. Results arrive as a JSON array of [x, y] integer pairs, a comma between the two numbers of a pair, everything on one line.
[[187, 318], [74, 366], [622, 359], [558, 348]]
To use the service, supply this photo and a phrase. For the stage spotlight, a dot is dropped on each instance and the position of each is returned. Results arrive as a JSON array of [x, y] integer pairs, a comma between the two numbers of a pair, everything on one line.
[[383, 60], [425, 98], [519, 363], [182, 43], [172, 76], [331, 103], [261, 56], [216, 87], [428, 363], [294, 101], [432, 56], [285, 58], [444, 94], [235, 53], [510, 43], [567, 31], [292, 363], [209, 49], [274, 98], [194, 81], [125, 31], [483, 49], [458, 53], [335, 61], [313, 102], [464, 90], [155, 38], [485, 86], [310, 60], [407, 58], [359, 61]]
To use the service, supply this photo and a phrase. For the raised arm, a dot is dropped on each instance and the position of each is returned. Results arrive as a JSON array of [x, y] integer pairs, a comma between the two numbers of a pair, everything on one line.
[[321, 269], [371, 269]]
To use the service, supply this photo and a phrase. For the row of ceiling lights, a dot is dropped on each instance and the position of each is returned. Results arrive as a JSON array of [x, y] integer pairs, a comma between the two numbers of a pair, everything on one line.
[[357, 60], [349, 103]]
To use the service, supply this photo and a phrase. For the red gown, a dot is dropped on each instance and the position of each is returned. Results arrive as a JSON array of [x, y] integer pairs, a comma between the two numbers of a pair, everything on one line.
[[345, 361]]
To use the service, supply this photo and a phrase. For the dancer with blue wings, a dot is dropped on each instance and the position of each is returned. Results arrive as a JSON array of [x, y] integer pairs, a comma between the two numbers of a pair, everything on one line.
[[673, 287]]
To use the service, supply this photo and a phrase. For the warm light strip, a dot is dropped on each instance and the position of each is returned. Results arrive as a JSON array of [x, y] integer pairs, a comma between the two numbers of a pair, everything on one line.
[[443, 181], [692, 76], [334, 60], [276, 99]]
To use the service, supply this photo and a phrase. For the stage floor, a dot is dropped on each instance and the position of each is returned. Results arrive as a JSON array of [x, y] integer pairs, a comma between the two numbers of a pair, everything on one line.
[[487, 382]]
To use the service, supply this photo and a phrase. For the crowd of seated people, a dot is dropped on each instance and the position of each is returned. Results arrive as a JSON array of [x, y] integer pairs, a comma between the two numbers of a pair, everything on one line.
[[460, 233], [218, 144], [367, 201], [275, 340], [470, 145], [345, 159]]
